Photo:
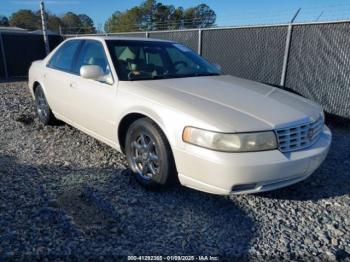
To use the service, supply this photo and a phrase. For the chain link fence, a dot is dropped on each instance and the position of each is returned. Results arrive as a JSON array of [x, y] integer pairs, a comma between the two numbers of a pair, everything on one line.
[[253, 53], [319, 65]]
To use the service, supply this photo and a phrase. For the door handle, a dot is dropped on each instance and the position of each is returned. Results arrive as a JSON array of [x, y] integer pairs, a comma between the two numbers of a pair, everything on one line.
[[73, 85]]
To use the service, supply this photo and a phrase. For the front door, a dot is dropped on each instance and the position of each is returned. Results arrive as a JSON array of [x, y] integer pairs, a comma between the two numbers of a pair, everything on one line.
[[93, 103]]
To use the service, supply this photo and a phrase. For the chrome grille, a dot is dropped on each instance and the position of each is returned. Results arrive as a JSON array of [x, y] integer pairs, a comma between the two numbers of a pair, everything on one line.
[[300, 136]]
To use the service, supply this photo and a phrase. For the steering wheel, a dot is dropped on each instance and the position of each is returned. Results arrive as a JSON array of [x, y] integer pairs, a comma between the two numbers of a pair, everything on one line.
[[179, 63]]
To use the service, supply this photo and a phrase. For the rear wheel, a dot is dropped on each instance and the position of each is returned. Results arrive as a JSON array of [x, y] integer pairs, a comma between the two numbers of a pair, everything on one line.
[[149, 154], [43, 109]]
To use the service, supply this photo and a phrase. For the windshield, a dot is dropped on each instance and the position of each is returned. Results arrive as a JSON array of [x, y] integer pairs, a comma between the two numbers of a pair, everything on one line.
[[147, 60]]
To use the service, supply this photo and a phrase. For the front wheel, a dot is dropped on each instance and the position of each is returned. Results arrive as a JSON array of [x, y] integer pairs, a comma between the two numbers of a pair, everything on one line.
[[149, 154]]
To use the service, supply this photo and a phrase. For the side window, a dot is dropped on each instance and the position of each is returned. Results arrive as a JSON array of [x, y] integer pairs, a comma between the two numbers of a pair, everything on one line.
[[63, 58], [92, 53]]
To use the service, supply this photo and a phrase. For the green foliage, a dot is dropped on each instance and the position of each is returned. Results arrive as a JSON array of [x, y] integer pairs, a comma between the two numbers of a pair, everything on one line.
[[4, 21], [88, 24], [54, 23], [70, 22], [124, 22], [77, 24], [153, 15], [203, 16], [168, 17], [26, 19]]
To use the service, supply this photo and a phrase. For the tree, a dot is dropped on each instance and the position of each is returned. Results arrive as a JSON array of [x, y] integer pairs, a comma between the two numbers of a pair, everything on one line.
[[4, 21], [78, 24], [162, 16], [153, 15], [72, 23], [54, 23], [148, 12], [203, 16], [88, 24], [125, 21], [26, 19], [176, 19]]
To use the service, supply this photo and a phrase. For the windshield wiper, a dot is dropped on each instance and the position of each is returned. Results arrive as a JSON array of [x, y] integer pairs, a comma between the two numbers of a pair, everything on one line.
[[192, 75], [149, 78], [196, 75]]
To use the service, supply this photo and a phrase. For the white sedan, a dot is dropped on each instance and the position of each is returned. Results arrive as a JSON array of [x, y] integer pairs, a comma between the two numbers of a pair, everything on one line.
[[177, 118]]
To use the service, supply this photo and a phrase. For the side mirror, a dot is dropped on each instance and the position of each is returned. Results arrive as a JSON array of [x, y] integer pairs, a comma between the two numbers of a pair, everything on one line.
[[93, 72], [217, 66]]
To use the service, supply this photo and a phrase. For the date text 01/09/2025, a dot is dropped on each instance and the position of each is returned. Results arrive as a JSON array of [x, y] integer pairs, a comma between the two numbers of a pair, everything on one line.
[[173, 258]]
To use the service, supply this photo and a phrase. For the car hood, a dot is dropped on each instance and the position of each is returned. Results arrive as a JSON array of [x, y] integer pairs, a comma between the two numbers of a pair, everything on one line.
[[230, 104]]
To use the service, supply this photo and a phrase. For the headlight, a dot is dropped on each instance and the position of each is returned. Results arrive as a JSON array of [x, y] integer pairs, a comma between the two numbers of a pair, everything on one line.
[[236, 142]]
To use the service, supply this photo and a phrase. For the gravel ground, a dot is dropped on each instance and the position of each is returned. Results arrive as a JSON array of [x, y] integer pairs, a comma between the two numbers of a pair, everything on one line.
[[63, 193]]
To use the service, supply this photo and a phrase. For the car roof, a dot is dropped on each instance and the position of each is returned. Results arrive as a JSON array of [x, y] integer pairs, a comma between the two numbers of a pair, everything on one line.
[[103, 37]]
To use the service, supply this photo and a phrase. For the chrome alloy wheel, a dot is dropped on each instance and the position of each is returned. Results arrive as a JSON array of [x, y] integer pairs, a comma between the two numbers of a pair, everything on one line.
[[42, 106], [145, 160]]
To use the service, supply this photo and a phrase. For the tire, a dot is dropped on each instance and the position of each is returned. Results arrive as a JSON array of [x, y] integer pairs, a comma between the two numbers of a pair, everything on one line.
[[149, 155], [43, 109]]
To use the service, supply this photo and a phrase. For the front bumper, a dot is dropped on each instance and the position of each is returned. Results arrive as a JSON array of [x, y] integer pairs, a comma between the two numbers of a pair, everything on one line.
[[223, 173]]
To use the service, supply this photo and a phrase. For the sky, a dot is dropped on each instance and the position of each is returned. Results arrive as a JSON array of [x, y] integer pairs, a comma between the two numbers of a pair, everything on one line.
[[229, 12]]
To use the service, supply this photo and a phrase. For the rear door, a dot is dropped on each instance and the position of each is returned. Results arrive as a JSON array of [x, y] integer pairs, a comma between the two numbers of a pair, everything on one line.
[[92, 103], [58, 75]]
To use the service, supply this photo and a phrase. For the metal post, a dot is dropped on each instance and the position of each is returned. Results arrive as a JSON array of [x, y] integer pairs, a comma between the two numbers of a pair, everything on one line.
[[286, 55], [3, 56], [199, 41], [43, 22], [147, 34], [60, 29], [287, 49]]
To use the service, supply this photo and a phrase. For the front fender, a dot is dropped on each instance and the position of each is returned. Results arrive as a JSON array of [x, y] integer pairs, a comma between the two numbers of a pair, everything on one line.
[[169, 121], [151, 114]]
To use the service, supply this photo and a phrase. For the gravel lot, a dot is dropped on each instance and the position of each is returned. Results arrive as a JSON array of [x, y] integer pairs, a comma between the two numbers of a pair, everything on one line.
[[64, 193]]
